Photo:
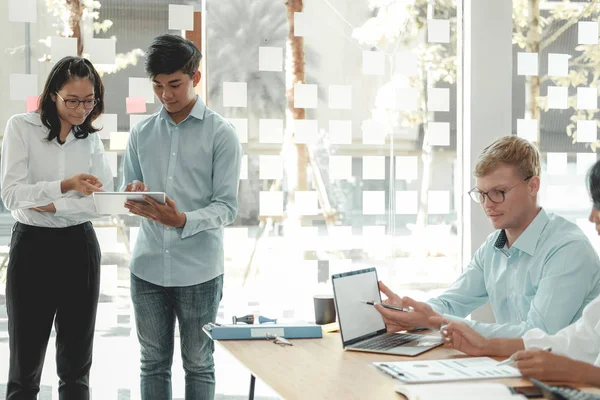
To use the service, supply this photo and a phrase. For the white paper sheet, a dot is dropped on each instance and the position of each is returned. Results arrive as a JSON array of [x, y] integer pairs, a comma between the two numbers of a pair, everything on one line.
[[271, 204], [439, 133], [305, 130], [438, 31], [438, 99], [406, 63], [527, 64], [62, 47], [585, 161], [270, 167], [235, 94], [307, 202], [270, 59], [118, 140], [102, 51], [406, 202], [407, 168], [244, 167], [181, 17], [373, 202], [22, 11], [340, 131], [587, 98], [241, 128], [587, 131], [587, 32], [22, 86], [406, 99], [340, 167], [558, 64], [373, 132], [111, 157], [108, 124], [558, 97], [373, 63], [556, 163], [141, 87], [305, 95], [439, 202], [340, 97], [302, 24], [527, 129], [373, 167], [270, 130]]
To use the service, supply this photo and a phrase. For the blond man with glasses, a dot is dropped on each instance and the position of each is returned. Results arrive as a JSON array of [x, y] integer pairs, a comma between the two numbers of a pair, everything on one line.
[[537, 269]]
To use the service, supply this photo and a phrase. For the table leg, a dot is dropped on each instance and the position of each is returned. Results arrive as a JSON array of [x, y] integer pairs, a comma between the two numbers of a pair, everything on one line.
[[252, 382]]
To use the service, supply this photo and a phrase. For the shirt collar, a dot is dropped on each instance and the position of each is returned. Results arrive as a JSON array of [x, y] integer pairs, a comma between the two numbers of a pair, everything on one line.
[[528, 240], [197, 112]]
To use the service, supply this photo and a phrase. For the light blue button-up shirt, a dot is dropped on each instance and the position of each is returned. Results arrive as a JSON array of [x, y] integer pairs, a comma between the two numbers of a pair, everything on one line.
[[197, 164], [544, 280]]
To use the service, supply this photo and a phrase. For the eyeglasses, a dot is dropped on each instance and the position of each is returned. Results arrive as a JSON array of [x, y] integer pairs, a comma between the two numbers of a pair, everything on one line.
[[278, 339], [72, 104], [495, 196]]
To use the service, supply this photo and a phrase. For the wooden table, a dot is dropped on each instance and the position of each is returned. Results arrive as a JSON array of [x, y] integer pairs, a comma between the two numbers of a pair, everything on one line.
[[321, 369]]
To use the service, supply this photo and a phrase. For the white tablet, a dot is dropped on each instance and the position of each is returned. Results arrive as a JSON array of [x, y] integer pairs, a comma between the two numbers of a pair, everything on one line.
[[111, 203]]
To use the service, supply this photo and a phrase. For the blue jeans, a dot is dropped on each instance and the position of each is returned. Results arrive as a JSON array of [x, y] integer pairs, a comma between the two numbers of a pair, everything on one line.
[[156, 308]]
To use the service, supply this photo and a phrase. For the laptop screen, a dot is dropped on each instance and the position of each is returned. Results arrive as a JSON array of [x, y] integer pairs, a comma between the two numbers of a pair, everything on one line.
[[357, 319]]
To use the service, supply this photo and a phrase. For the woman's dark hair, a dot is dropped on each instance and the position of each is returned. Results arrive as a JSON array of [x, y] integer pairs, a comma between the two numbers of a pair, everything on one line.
[[594, 184], [168, 54], [65, 70]]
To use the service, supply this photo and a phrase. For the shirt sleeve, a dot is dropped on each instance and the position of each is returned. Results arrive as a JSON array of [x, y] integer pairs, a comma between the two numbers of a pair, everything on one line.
[[569, 276], [83, 207], [222, 210], [17, 193], [132, 171], [580, 341], [467, 293]]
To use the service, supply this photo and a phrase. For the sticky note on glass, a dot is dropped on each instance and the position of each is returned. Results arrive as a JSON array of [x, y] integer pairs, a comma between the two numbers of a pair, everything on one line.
[[181, 18], [407, 168], [305, 130], [558, 64], [556, 196], [527, 64], [373, 202], [62, 47], [340, 131], [340, 167], [587, 98], [373, 63], [241, 128], [270, 130], [135, 119], [107, 123], [111, 157], [406, 64], [307, 202], [587, 32], [556, 163], [302, 24], [585, 162], [270, 204], [587, 131], [135, 105], [527, 129], [439, 202], [438, 99], [141, 87], [438, 133], [305, 95], [118, 140], [244, 167], [22, 11], [373, 167], [31, 103], [373, 132], [406, 99], [406, 202], [270, 167], [270, 59], [103, 51], [235, 94], [340, 97], [438, 31], [558, 97], [22, 86]]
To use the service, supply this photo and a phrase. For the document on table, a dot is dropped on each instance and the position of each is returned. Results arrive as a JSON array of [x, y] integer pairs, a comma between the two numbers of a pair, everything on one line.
[[456, 369]]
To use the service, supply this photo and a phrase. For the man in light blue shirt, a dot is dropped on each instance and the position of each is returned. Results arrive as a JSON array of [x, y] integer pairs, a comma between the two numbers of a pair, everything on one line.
[[537, 271], [193, 155]]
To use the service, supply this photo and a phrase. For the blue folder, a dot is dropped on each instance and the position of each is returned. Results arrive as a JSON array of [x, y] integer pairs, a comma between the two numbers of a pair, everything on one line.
[[240, 332]]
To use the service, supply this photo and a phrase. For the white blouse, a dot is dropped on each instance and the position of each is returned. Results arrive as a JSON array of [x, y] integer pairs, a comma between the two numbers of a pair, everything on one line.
[[32, 169], [579, 341]]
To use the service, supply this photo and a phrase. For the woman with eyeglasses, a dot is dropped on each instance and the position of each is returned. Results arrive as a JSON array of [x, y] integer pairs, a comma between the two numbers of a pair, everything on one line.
[[570, 355], [52, 160]]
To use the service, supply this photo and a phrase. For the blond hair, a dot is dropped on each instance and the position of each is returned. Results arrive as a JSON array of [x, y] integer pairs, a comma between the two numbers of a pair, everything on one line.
[[509, 150]]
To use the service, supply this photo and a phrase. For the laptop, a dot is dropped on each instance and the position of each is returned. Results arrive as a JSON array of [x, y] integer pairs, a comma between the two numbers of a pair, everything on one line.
[[361, 325]]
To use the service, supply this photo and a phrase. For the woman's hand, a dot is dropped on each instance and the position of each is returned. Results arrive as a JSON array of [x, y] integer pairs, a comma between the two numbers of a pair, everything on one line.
[[85, 184]]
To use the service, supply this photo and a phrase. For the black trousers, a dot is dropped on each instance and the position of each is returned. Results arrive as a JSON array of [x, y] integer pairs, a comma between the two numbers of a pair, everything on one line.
[[53, 275]]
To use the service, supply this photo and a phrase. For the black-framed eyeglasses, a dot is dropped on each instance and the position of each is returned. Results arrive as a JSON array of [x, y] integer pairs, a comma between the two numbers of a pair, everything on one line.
[[72, 103], [495, 196]]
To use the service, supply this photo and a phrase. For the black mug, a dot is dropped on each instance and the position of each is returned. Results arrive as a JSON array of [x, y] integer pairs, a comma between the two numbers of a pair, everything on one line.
[[324, 309]]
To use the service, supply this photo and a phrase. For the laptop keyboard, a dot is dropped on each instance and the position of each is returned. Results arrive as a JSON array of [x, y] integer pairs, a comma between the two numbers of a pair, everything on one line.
[[387, 342]]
